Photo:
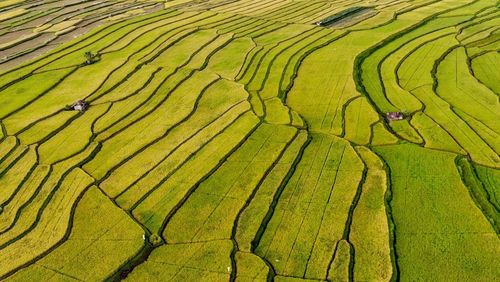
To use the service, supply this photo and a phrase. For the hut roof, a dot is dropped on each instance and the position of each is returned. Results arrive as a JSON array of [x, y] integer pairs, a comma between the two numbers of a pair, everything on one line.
[[80, 105], [394, 116]]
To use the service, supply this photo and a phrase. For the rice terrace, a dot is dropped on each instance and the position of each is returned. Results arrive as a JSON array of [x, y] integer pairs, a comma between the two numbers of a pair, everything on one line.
[[250, 140]]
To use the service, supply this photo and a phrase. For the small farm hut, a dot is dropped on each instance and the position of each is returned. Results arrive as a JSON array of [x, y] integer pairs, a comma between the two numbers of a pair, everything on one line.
[[394, 115], [80, 105]]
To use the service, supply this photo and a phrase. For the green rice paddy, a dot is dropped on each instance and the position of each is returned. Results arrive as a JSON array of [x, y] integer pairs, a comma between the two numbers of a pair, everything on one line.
[[248, 140]]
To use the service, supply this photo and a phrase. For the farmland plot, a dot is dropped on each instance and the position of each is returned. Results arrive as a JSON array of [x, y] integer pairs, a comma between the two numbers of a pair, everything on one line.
[[230, 140]]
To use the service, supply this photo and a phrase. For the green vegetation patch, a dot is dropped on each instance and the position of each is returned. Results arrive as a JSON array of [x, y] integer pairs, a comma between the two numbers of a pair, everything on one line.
[[435, 217], [94, 239]]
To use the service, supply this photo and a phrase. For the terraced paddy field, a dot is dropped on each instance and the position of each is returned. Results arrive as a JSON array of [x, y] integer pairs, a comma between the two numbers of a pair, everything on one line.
[[248, 140]]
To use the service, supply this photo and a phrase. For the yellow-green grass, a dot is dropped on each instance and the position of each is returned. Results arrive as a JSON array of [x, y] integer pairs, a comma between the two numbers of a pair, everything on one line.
[[414, 72], [276, 112], [71, 53], [256, 103], [45, 127], [298, 13], [440, 112], [148, 26], [381, 136], [25, 91], [405, 131], [258, 174], [128, 109], [292, 66], [150, 41], [341, 263], [94, 239], [306, 225], [488, 134], [242, 26], [129, 37], [325, 12], [178, 105], [475, 30], [485, 67], [434, 135], [277, 45], [398, 96], [216, 110], [130, 86], [198, 61], [149, 46], [251, 63], [172, 161], [317, 78], [273, 43], [162, 200], [50, 227], [259, 30], [271, 87], [242, 7], [279, 278], [28, 214], [236, 24], [379, 78], [275, 14], [321, 109], [13, 177], [435, 217], [236, 49], [131, 110], [478, 8], [250, 267], [462, 91], [181, 52], [490, 178], [72, 139], [12, 158], [297, 120], [7, 145], [139, 51], [481, 35], [478, 192], [305, 17], [210, 211], [254, 214], [87, 79], [359, 117], [26, 191], [207, 261], [385, 13], [490, 44], [369, 231]]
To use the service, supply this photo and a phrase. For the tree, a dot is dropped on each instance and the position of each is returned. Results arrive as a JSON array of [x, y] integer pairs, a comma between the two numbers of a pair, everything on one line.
[[89, 57]]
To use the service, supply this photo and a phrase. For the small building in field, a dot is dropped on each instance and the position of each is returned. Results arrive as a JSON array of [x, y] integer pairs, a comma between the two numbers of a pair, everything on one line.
[[80, 105], [394, 115]]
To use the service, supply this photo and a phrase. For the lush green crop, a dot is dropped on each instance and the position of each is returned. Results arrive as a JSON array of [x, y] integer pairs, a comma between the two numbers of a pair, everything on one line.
[[241, 141], [427, 223]]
